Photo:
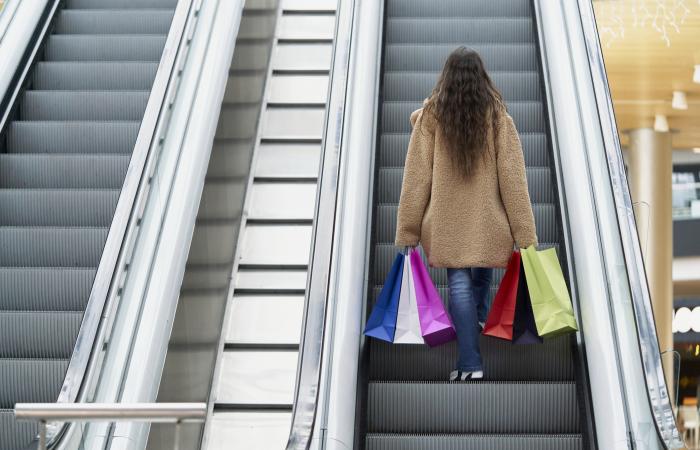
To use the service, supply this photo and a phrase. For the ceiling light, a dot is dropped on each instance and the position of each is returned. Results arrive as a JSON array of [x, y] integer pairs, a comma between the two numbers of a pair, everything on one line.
[[679, 100], [696, 150], [696, 74], [661, 123]]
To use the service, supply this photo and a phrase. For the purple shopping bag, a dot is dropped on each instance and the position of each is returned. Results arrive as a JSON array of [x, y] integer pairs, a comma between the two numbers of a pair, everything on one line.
[[436, 325]]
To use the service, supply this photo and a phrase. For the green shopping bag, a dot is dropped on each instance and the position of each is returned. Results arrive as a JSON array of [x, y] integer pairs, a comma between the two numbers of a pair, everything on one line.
[[551, 304]]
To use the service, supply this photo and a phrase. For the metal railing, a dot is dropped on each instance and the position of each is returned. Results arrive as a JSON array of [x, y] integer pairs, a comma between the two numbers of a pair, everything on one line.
[[176, 413]]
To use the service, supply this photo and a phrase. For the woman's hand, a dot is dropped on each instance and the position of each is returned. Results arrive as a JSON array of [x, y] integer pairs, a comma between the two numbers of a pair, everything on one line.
[[408, 249]]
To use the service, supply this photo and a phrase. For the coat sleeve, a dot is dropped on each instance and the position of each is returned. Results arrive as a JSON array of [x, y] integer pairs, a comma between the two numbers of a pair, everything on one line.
[[417, 181], [512, 183]]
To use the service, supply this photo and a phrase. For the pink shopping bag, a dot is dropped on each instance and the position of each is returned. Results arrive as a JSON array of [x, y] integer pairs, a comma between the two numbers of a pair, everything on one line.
[[436, 325]]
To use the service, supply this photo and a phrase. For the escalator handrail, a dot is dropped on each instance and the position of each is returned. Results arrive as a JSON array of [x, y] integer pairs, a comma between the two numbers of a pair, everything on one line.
[[21, 76], [122, 233], [657, 390], [323, 255]]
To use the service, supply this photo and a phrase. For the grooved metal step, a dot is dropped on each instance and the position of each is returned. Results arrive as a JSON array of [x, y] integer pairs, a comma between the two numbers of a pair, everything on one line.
[[86, 75], [62, 171], [120, 4], [473, 407], [406, 441], [96, 21], [30, 380], [51, 246], [425, 30], [38, 334], [72, 137], [104, 47], [502, 361], [57, 207], [459, 8], [14, 433], [45, 288], [83, 105]]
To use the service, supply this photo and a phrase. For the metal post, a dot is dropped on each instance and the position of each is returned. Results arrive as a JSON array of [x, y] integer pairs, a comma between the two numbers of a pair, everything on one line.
[[42, 435], [178, 428]]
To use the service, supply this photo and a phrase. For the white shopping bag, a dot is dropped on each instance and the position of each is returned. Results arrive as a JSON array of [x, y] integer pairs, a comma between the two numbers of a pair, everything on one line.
[[407, 321]]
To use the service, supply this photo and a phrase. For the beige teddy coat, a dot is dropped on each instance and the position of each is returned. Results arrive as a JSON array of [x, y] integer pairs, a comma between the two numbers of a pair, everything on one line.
[[464, 223]]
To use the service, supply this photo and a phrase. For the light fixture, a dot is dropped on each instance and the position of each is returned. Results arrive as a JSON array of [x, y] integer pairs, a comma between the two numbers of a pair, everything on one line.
[[696, 150], [696, 74], [683, 320], [661, 123], [679, 100]]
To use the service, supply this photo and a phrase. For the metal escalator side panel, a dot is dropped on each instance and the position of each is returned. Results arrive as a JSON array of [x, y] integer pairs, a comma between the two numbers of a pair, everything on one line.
[[638, 339]]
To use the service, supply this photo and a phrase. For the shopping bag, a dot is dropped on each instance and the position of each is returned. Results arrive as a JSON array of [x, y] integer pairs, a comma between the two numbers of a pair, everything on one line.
[[436, 325], [382, 321], [407, 322], [499, 322], [524, 328], [551, 304]]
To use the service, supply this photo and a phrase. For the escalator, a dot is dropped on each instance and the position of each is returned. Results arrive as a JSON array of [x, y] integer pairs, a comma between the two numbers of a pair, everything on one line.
[[64, 157], [531, 396]]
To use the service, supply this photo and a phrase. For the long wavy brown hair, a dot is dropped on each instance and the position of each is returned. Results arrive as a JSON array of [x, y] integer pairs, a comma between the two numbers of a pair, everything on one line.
[[465, 103]]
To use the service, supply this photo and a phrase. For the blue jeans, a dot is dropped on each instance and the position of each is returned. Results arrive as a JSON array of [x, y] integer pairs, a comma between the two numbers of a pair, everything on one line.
[[469, 290]]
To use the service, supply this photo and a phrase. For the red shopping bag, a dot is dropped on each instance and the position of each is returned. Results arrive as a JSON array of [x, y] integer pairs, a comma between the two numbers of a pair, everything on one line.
[[499, 322]]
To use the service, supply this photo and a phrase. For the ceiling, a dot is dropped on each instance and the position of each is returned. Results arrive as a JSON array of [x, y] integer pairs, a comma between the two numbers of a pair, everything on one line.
[[643, 70]]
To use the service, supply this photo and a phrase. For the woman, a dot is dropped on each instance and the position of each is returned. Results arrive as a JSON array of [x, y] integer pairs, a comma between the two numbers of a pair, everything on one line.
[[464, 194]]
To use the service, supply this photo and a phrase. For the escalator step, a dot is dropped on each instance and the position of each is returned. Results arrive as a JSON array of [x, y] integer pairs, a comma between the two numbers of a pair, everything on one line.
[[457, 8], [45, 288], [15, 433], [104, 48], [84, 105], [393, 149], [472, 407], [545, 222], [30, 380], [57, 207], [405, 441], [528, 116], [431, 57], [515, 86], [62, 171], [491, 30], [119, 4], [51, 246], [503, 361], [72, 137], [38, 334], [83, 75], [538, 179], [93, 21]]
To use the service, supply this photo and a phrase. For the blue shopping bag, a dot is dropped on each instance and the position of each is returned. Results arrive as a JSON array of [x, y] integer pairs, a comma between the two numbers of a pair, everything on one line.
[[382, 321]]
